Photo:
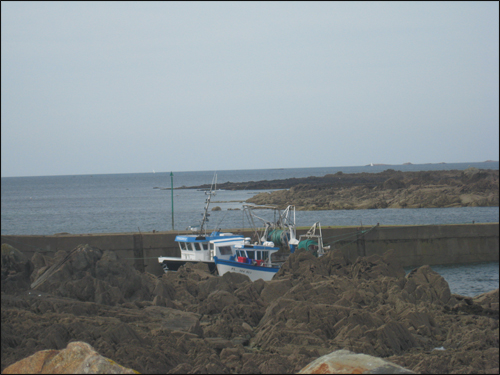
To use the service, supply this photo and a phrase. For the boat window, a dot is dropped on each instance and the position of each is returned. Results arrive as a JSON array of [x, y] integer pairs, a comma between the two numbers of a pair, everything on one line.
[[189, 246], [183, 245], [251, 254], [212, 246], [225, 250], [205, 246], [259, 254], [264, 255], [197, 246]]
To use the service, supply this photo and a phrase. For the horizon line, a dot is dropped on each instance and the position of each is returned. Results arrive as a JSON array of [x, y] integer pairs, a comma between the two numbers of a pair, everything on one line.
[[250, 169]]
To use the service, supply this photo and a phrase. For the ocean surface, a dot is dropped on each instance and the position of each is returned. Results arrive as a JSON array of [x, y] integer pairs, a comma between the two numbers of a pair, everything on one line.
[[142, 201], [470, 279], [128, 202]]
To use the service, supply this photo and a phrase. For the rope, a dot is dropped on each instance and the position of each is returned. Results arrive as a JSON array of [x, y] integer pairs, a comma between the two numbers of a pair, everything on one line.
[[218, 224], [361, 232], [344, 245], [348, 235], [354, 233], [147, 258], [49, 272], [432, 225]]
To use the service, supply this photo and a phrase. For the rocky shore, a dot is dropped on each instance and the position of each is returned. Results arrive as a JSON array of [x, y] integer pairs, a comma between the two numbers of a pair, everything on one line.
[[388, 189], [193, 322]]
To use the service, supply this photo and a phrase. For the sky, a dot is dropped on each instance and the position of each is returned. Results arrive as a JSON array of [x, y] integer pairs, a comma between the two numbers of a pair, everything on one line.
[[130, 87]]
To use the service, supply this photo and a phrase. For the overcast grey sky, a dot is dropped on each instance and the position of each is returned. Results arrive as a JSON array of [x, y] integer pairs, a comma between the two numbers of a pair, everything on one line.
[[124, 87]]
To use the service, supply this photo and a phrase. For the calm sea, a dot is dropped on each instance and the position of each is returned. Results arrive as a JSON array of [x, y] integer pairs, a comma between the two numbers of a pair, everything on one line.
[[470, 279], [142, 201], [128, 202]]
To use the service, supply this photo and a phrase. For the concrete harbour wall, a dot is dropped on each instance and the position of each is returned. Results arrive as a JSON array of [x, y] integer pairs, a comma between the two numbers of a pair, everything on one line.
[[428, 244], [413, 245]]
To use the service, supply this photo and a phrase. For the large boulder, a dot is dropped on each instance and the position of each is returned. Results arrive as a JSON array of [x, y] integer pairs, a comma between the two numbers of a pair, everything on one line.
[[337, 263], [346, 362], [77, 358], [89, 274], [12, 259], [488, 300], [376, 266], [302, 264], [217, 301], [426, 285], [16, 270], [274, 289]]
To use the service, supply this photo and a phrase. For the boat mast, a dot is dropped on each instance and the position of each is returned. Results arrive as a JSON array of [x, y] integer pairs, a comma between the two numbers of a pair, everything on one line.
[[207, 203]]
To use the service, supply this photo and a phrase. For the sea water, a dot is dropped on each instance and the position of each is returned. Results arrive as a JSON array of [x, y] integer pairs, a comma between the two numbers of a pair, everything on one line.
[[469, 279], [143, 201]]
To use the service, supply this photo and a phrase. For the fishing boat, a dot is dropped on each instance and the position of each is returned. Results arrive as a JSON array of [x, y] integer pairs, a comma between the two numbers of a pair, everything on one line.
[[251, 260], [256, 260], [200, 247]]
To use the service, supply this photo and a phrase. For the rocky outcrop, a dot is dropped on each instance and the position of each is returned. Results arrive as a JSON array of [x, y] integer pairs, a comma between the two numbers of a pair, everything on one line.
[[191, 321], [487, 300], [388, 189], [14, 261], [89, 274], [16, 269], [76, 358]]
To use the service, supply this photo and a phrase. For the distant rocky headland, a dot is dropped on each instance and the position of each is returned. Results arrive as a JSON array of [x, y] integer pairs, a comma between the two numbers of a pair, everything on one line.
[[387, 189]]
